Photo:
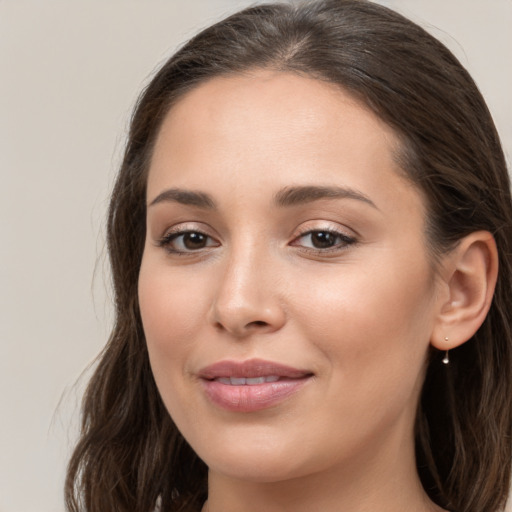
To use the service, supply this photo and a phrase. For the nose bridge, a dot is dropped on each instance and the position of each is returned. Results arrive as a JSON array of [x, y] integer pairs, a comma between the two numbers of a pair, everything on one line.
[[246, 298]]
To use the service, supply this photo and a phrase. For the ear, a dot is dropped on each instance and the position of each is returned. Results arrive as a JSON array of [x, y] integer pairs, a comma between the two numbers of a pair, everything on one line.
[[469, 274]]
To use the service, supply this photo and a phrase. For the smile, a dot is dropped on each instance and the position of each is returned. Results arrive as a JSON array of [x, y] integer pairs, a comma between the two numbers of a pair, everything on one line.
[[251, 385], [243, 381]]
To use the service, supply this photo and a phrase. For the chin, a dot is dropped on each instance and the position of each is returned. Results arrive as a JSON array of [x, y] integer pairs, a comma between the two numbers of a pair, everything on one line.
[[258, 469], [262, 460]]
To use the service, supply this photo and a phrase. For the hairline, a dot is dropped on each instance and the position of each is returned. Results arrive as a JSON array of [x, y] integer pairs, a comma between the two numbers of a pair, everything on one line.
[[402, 153]]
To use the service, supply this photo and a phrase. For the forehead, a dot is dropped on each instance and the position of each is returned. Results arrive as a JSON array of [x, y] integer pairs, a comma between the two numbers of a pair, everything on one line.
[[288, 105], [272, 128]]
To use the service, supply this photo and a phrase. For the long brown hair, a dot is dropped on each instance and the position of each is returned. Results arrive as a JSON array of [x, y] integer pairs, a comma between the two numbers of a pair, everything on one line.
[[130, 456]]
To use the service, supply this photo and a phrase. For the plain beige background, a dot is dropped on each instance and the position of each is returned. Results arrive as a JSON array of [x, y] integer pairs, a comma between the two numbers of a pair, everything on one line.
[[70, 73]]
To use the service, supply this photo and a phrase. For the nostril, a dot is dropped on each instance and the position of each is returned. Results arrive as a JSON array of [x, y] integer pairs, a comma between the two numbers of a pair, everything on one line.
[[258, 323], [243, 319]]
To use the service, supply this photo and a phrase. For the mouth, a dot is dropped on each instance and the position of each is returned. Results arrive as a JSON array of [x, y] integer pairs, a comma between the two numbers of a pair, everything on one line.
[[247, 381], [252, 385]]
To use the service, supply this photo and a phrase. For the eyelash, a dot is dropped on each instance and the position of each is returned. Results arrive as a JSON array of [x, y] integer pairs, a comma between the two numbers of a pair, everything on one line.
[[167, 240], [343, 241]]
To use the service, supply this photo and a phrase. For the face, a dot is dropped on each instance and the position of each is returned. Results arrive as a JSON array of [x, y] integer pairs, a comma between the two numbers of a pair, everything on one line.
[[285, 289]]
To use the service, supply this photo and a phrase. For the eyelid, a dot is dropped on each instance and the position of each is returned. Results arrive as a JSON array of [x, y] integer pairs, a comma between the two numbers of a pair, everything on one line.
[[345, 237], [309, 228], [174, 232], [325, 225], [187, 227]]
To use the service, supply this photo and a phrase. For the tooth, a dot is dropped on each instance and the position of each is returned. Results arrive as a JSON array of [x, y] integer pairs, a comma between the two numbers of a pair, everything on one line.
[[255, 380], [271, 378], [237, 381], [223, 380]]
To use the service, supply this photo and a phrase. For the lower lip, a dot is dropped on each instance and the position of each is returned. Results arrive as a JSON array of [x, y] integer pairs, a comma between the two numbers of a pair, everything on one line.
[[249, 398]]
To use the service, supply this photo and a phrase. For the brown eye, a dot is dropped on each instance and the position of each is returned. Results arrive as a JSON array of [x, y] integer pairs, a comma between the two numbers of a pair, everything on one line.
[[194, 241], [323, 240], [187, 241]]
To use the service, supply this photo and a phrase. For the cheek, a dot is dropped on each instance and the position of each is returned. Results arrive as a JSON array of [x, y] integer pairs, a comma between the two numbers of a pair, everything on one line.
[[373, 326], [170, 306], [169, 309], [373, 334]]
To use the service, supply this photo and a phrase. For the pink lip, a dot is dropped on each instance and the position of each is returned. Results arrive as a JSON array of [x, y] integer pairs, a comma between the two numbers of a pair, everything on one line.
[[251, 397]]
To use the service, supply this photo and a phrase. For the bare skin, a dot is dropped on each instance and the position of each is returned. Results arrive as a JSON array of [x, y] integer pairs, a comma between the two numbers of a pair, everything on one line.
[[336, 282]]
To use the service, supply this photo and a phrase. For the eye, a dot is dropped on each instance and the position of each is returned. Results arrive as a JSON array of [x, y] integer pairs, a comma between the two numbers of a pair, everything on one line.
[[181, 242], [322, 240]]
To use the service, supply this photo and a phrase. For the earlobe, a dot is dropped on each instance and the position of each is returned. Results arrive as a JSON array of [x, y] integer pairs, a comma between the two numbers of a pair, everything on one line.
[[470, 274]]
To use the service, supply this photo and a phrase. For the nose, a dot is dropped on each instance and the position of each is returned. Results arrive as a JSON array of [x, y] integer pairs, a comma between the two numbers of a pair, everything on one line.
[[247, 300]]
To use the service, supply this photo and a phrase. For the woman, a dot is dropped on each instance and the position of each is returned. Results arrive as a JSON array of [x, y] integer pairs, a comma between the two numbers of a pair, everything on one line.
[[305, 237]]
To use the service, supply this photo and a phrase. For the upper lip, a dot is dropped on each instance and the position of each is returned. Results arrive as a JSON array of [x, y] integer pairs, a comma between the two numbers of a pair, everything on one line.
[[250, 369]]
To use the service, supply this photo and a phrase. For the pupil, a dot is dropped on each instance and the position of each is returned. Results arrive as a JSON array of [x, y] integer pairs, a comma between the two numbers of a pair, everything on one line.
[[194, 241], [322, 239]]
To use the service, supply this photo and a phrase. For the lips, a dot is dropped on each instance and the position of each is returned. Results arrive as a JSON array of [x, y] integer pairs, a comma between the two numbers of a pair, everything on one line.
[[251, 385]]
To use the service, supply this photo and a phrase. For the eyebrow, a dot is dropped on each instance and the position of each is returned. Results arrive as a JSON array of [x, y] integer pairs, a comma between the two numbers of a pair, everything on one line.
[[287, 197], [293, 196], [186, 197]]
